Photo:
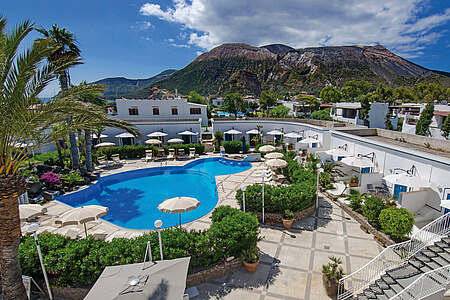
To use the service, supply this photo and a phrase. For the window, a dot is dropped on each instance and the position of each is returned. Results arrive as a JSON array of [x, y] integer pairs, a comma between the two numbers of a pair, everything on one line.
[[133, 111], [195, 111], [365, 170], [155, 111], [174, 110]]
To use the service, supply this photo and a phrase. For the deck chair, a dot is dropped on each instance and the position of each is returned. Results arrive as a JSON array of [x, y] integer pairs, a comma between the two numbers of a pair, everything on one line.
[[103, 163], [171, 154], [370, 189], [192, 153], [116, 160], [72, 233], [181, 153], [148, 155], [99, 234]]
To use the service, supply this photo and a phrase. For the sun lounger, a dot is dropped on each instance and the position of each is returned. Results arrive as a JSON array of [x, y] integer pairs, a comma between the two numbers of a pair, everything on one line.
[[181, 154], [136, 234], [171, 154], [192, 153], [103, 163], [99, 234], [116, 235], [45, 228], [72, 233], [116, 160], [148, 155]]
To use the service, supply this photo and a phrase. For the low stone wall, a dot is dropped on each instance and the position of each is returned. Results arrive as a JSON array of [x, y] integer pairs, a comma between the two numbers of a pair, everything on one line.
[[213, 273], [278, 217]]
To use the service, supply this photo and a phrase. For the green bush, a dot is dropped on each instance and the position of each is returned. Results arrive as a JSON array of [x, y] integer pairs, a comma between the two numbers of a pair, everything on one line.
[[234, 146], [356, 200], [397, 222], [325, 180], [372, 208], [80, 262], [48, 158], [71, 178]]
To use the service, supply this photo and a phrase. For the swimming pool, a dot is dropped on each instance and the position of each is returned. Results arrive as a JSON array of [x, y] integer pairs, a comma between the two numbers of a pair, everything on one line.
[[133, 196]]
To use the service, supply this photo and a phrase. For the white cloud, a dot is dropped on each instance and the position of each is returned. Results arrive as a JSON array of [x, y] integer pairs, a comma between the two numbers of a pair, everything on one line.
[[397, 24], [179, 45], [199, 53]]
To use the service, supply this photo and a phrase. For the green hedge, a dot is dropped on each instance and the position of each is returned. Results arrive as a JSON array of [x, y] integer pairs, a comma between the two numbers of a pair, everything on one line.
[[234, 146], [397, 222], [80, 263], [138, 151], [296, 197], [48, 158]]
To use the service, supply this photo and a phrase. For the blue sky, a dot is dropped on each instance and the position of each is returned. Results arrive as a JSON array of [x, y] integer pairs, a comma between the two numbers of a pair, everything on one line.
[[138, 39]]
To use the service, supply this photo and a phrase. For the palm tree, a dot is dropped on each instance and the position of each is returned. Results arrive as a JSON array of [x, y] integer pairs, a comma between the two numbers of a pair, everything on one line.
[[67, 50], [22, 77]]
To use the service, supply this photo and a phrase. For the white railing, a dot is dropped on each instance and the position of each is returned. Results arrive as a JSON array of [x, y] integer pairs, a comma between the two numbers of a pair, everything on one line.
[[393, 256], [429, 283]]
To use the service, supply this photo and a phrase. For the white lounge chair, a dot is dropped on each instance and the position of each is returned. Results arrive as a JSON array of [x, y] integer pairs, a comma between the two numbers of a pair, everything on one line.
[[116, 235], [148, 155], [116, 160], [171, 154], [99, 234], [103, 163], [72, 233], [192, 153], [181, 154]]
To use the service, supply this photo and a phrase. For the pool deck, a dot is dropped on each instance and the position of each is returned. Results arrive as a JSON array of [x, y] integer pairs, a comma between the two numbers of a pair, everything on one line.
[[291, 261]]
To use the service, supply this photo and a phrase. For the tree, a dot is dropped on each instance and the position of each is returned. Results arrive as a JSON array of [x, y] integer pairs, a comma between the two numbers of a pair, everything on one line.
[[401, 93], [365, 109], [234, 103], [388, 123], [445, 127], [385, 94], [193, 97], [279, 111], [23, 77], [66, 49], [330, 94], [218, 135], [423, 125], [267, 100], [322, 115], [312, 102]]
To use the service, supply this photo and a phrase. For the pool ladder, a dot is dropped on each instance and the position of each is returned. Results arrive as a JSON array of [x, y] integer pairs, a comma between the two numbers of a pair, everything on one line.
[[220, 183], [163, 164]]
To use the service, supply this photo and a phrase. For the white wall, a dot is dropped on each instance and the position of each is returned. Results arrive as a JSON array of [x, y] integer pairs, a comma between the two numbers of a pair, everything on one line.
[[145, 108]]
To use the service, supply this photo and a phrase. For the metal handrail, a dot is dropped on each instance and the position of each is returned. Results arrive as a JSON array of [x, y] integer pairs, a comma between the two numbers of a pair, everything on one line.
[[427, 284], [393, 256]]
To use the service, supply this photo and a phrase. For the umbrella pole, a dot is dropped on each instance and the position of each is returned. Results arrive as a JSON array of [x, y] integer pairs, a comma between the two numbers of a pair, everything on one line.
[[180, 220], [85, 230]]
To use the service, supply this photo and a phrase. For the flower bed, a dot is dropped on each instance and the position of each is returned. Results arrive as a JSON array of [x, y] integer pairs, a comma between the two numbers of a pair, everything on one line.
[[79, 263]]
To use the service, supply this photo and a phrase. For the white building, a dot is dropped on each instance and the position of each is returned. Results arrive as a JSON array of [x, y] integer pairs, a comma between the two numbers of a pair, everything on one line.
[[173, 109], [411, 118], [349, 112]]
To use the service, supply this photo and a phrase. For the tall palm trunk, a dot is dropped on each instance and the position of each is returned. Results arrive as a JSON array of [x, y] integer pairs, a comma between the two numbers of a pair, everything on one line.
[[10, 189], [88, 141]]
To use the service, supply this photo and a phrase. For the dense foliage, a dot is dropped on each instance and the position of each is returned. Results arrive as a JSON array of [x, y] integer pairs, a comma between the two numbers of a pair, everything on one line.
[[322, 115], [235, 146], [397, 222], [279, 111], [372, 208], [80, 262], [445, 127], [137, 151], [299, 195], [423, 125]]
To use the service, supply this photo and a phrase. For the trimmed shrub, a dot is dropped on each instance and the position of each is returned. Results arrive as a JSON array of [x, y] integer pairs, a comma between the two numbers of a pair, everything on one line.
[[372, 208], [234, 146], [397, 222], [80, 262]]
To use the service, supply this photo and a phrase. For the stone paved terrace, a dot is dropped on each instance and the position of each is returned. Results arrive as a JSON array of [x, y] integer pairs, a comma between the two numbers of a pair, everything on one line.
[[291, 263]]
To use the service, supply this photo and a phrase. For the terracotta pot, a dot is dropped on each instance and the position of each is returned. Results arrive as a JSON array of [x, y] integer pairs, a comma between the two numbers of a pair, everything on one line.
[[330, 286], [287, 223], [353, 184], [379, 242], [251, 267], [364, 229]]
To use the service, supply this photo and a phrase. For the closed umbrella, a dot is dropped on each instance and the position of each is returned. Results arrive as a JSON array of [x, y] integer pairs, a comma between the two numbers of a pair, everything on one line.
[[276, 163], [266, 148], [293, 135], [153, 142], [104, 144], [253, 131], [174, 141], [274, 155], [157, 134], [82, 215], [30, 211], [179, 205]]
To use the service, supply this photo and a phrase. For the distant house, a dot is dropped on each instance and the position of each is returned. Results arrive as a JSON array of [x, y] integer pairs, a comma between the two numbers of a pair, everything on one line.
[[349, 112], [412, 112]]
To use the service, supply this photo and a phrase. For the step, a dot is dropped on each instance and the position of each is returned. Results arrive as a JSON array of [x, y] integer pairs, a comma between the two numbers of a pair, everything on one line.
[[397, 288], [361, 297], [428, 253], [435, 248], [422, 258], [430, 266], [407, 281], [415, 263], [446, 240], [405, 271], [383, 297], [382, 284], [388, 279], [369, 294], [440, 261], [376, 289], [389, 293], [445, 255], [441, 244]]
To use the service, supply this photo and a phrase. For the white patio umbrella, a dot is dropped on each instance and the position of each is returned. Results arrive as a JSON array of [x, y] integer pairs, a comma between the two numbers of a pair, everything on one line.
[[187, 132], [293, 135], [406, 180], [338, 152], [124, 135], [308, 142], [30, 211], [174, 141], [153, 142], [157, 134], [274, 155], [102, 136], [82, 215], [275, 132], [178, 205], [232, 132], [104, 144], [276, 163], [266, 148], [253, 131], [358, 161]]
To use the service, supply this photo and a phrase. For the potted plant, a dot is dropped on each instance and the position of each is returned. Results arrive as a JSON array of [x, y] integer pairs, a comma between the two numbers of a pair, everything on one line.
[[354, 181], [290, 147], [288, 219], [331, 274], [251, 258], [303, 154]]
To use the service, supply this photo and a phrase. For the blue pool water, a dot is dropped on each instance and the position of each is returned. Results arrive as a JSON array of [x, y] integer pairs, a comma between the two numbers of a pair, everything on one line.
[[133, 196]]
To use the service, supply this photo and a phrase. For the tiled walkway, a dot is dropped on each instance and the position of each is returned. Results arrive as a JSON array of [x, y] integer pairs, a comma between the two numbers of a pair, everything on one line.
[[291, 264]]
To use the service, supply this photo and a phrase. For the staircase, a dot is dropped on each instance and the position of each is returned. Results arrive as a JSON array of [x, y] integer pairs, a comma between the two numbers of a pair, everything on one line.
[[410, 270]]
